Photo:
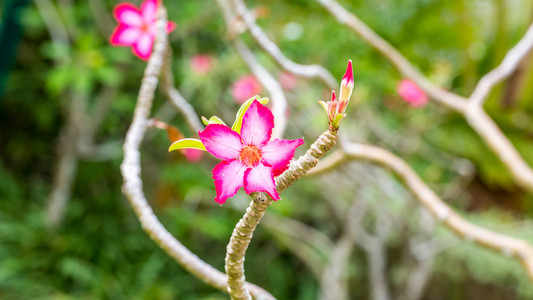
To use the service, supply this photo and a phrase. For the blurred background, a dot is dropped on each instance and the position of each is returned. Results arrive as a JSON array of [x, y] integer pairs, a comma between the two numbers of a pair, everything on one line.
[[67, 99]]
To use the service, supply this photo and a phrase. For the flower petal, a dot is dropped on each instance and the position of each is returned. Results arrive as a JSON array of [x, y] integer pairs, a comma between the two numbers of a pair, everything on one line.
[[149, 10], [257, 124], [125, 35], [143, 47], [128, 14], [221, 141], [229, 177], [260, 179], [278, 153]]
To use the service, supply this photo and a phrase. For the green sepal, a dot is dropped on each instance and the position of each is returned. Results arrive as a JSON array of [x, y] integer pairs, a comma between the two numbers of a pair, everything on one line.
[[242, 110], [212, 120], [187, 143], [324, 106], [337, 120]]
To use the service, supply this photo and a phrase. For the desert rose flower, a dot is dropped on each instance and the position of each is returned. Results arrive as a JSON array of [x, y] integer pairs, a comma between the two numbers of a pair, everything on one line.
[[244, 88], [411, 93], [137, 27], [250, 159], [201, 64]]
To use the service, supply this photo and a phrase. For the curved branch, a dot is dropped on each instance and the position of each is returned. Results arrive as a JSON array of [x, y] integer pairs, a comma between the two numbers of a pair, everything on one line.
[[506, 68], [279, 101], [507, 245], [131, 172], [175, 98], [471, 110], [449, 99], [307, 71], [242, 234]]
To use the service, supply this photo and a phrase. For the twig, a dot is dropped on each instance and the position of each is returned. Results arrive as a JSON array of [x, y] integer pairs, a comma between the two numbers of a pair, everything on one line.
[[175, 97], [242, 234], [344, 17], [471, 110], [307, 71], [131, 171], [279, 101], [506, 68], [507, 245]]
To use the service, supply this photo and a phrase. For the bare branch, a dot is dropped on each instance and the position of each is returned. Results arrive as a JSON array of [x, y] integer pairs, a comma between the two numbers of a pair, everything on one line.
[[471, 110], [279, 101], [242, 234], [506, 68], [500, 145], [307, 71], [175, 98], [507, 245], [449, 99], [131, 171]]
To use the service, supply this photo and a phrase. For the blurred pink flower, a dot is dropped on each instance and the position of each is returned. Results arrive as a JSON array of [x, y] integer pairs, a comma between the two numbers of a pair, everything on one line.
[[201, 64], [244, 88], [136, 27], [411, 93], [192, 155], [287, 80]]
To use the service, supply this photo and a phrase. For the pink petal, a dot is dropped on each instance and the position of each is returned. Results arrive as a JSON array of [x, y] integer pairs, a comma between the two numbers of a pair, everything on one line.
[[149, 10], [128, 14], [260, 179], [171, 26], [278, 153], [143, 47], [257, 124], [221, 141], [125, 35], [228, 176]]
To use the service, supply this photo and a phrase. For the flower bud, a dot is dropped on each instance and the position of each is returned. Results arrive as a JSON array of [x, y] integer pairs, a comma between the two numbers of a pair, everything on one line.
[[346, 88]]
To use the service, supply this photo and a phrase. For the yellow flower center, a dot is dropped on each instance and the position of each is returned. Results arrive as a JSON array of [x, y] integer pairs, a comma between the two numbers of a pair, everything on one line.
[[250, 155]]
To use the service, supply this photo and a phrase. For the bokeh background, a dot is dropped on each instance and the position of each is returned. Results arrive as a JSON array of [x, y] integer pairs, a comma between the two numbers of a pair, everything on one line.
[[67, 98]]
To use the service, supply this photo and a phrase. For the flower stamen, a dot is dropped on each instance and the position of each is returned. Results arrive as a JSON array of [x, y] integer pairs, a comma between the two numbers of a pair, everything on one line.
[[250, 155]]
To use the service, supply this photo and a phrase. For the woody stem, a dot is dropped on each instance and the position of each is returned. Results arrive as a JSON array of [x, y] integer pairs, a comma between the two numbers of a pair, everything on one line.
[[243, 232]]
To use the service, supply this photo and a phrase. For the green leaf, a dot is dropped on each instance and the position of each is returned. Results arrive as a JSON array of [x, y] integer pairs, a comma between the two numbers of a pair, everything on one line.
[[187, 143], [242, 110], [205, 121]]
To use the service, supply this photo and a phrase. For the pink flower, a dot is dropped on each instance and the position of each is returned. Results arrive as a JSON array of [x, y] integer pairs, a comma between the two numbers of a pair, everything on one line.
[[201, 64], [136, 27], [411, 93], [287, 80], [192, 155], [250, 159], [244, 88]]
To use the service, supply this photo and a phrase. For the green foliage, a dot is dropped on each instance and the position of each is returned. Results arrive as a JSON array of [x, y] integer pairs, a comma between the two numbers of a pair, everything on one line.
[[100, 250]]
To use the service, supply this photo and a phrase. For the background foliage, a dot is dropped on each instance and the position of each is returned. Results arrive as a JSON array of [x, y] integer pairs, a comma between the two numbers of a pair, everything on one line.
[[100, 251]]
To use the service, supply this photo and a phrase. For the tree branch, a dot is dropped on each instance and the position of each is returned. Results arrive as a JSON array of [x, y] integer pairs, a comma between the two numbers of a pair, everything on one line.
[[131, 171], [507, 245], [242, 234], [471, 110], [307, 71]]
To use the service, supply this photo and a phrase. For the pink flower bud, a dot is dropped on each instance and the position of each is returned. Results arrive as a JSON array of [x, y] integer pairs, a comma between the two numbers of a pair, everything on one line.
[[346, 88], [244, 88], [411, 93]]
